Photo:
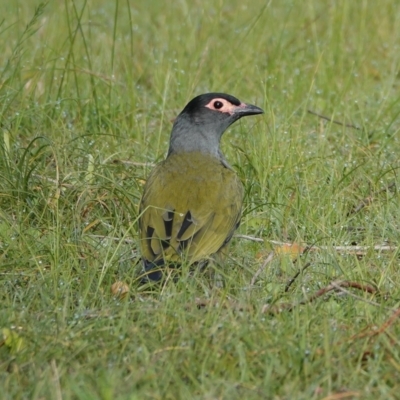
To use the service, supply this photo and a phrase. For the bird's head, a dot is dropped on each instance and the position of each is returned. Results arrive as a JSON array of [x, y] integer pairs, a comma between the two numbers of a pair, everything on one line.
[[199, 127]]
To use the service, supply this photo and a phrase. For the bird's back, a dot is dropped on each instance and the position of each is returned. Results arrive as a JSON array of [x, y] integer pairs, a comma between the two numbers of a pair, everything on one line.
[[190, 207]]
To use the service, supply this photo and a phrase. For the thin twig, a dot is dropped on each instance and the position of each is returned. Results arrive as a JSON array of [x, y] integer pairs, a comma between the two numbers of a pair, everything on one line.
[[261, 269], [390, 321], [334, 121], [369, 199], [291, 280], [356, 285], [97, 75], [342, 249], [322, 291], [339, 285], [335, 285], [251, 238], [360, 250]]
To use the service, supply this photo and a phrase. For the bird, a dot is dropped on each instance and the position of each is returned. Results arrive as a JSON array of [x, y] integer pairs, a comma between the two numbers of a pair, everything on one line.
[[192, 201]]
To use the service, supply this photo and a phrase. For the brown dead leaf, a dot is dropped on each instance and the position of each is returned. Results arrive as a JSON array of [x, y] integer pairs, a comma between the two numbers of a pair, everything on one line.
[[293, 250], [343, 395], [119, 289]]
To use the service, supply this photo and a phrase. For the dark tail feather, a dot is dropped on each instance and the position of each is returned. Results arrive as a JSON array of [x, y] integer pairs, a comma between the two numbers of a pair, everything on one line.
[[152, 270]]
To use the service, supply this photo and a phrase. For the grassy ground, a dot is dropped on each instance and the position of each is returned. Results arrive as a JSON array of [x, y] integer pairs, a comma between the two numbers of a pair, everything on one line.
[[88, 90]]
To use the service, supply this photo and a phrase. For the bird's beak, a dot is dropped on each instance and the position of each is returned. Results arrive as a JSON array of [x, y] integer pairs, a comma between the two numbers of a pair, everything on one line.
[[247, 109]]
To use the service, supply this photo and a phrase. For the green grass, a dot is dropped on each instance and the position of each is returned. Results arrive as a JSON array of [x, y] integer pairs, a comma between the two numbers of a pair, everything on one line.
[[88, 90]]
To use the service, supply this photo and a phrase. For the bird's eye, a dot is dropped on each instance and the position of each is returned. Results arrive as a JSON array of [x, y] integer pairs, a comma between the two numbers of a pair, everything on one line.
[[218, 105]]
